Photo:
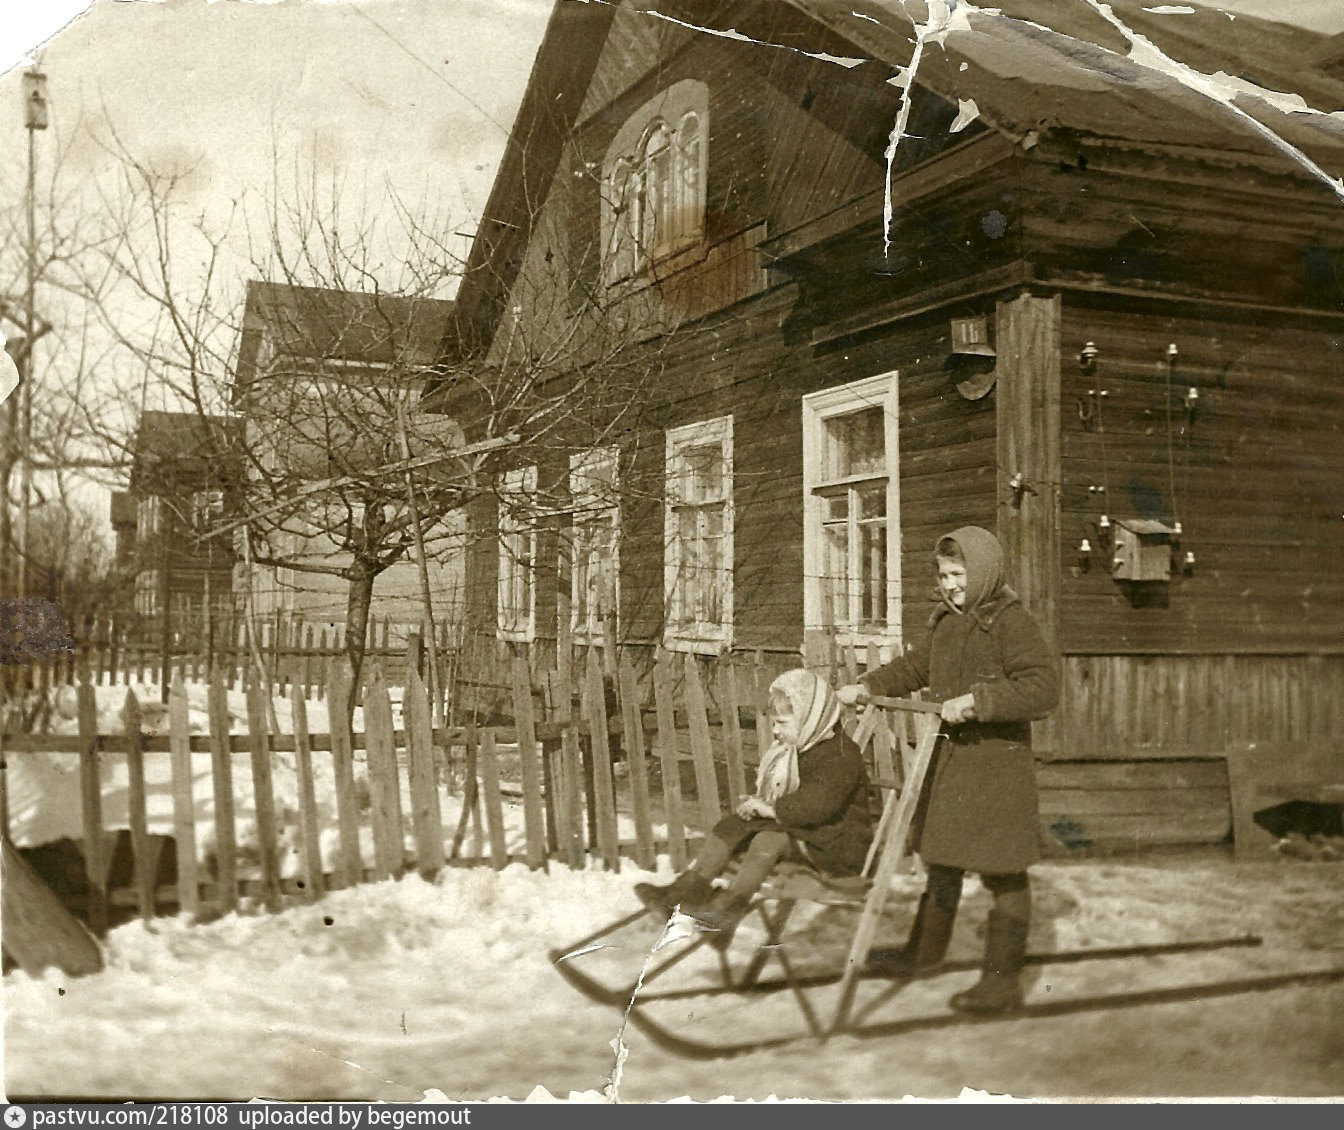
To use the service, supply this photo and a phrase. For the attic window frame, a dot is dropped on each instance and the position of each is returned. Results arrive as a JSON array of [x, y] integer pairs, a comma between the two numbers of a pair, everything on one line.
[[653, 198]]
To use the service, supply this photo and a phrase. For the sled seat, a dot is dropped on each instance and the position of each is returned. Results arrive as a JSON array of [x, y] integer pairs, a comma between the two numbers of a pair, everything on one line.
[[797, 882]]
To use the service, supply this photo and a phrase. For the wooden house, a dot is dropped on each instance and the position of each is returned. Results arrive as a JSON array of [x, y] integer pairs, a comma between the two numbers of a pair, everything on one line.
[[1094, 306], [319, 375]]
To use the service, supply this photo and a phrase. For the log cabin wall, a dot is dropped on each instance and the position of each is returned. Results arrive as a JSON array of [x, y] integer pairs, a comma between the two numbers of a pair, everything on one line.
[[1247, 650]]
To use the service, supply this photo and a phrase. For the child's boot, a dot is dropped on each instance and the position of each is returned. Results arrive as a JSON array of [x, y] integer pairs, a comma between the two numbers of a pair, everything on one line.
[[689, 890], [1000, 986], [726, 909], [931, 933]]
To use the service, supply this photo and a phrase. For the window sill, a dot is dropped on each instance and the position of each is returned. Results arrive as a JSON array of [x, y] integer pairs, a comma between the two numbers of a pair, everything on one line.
[[516, 635], [698, 644]]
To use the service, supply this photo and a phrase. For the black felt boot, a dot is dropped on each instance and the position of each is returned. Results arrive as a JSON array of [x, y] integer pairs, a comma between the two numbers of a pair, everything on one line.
[[999, 989], [689, 890], [931, 933]]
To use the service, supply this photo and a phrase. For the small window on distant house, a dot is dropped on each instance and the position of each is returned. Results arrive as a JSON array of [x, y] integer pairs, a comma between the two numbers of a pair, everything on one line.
[[594, 544], [149, 516], [851, 529], [653, 183], [517, 597], [698, 530]]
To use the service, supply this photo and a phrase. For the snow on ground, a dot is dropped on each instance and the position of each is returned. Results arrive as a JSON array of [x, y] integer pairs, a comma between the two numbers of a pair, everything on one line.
[[396, 989]]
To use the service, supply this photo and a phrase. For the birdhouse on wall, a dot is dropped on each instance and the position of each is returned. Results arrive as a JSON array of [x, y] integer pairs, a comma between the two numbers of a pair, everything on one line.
[[1142, 550]]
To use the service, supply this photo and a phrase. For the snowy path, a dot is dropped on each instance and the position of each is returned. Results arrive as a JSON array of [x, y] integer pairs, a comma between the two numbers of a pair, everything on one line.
[[402, 988]]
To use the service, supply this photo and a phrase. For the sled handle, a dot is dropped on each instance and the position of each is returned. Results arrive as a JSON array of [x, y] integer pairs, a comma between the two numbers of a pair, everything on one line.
[[884, 703]]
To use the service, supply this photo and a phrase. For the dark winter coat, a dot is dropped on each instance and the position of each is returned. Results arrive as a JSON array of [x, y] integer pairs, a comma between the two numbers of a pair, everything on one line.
[[979, 810], [827, 815]]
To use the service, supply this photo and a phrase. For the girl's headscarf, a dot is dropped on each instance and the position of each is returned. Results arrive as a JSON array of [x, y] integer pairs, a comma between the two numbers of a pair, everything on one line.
[[817, 711], [984, 566]]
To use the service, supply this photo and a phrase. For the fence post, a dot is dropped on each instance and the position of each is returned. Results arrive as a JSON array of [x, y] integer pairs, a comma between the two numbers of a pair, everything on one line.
[[702, 746], [351, 869], [426, 818], [524, 719], [145, 867], [184, 797], [303, 764], [221, 767], [384, 779], [603, 784], [633, 723], [494, 806], [732, 726], [670, 761], [263, 788], [96, 854]]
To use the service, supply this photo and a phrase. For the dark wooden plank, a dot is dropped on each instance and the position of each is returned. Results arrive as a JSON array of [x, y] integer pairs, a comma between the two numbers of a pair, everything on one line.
[[669, 762], [571, 764], [732, 725], [184, 799], [1133, 802], [488, 761], [263, 790], [135, 800], [1154, 774], [351, 868], [309, 833], [530, 758], [603, 783], [96, 856], [702, 749], [384, 780], [633, 725], [221, 776], [426, 819]]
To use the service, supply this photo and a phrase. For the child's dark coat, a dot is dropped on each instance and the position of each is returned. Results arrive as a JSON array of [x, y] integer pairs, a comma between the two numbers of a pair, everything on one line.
[[980, 810]]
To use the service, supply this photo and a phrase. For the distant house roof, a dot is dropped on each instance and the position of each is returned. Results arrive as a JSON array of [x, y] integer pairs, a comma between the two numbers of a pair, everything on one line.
[[175, 451], [318, 323], [1042, 65]]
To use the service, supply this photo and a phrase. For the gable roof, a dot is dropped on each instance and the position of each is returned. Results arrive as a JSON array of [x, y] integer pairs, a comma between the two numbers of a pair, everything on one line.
[[322, 323], [1028, 65]]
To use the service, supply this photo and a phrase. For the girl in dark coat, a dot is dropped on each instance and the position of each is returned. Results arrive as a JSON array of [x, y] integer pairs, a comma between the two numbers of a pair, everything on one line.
[[987, 662], [811, 804]]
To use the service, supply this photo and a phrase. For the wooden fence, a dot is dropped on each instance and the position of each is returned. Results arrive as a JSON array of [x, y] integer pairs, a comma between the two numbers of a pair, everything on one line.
[[659, 772], [610, 764]]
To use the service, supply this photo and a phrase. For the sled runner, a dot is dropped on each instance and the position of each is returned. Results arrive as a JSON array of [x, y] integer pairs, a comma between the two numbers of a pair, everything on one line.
[[686, 989]]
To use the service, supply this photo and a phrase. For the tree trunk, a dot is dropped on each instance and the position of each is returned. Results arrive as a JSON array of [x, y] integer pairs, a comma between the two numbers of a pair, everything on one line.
[[358, 600]]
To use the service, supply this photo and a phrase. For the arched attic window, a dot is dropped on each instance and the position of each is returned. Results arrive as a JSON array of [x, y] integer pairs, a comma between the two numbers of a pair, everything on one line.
[[653, 200]]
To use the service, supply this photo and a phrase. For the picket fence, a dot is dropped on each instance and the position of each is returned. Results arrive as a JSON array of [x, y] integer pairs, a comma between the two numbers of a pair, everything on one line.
[[558, 759]]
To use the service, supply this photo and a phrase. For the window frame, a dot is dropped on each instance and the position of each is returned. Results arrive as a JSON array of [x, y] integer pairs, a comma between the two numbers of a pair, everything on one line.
[[818, 409], [645, 219], [582, 465], [517, 522], [699, 635]]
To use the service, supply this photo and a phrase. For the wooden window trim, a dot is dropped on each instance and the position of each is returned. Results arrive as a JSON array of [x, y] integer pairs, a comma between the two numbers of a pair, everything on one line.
[[702, 637], [522, 484], [882, 391]]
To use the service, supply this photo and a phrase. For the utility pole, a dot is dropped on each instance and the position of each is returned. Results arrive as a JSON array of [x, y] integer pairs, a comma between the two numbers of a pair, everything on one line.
[[34, 119]]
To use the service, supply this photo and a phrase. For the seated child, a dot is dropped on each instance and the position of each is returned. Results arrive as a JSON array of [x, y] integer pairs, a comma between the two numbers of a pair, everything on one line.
[[986, 661], [811, 804]]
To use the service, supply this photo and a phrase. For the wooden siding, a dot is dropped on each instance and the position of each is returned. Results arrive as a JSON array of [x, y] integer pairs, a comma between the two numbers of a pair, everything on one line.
[[1122, 706], [1256, 471]]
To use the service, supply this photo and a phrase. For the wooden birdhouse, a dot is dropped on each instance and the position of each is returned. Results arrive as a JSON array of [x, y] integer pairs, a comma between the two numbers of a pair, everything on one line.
[[1142, 550]]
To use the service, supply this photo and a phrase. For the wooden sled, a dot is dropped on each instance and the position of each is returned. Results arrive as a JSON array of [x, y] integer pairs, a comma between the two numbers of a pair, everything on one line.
[[686, 991]]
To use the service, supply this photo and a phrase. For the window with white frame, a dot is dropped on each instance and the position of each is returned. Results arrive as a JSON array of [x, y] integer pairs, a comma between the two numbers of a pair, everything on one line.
[[149, 516], [594, 543], [653, 181], [516, 603], [851, 510], [698, 536]]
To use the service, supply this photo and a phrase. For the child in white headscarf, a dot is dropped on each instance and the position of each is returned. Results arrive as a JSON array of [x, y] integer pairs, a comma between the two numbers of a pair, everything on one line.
[[811, 803]]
